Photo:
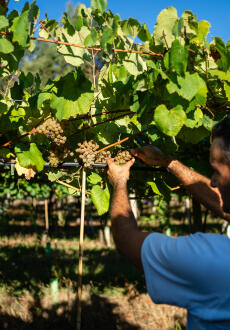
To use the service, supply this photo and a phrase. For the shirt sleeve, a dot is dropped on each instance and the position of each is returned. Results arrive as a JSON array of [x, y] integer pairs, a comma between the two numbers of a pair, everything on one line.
[[178, 271]]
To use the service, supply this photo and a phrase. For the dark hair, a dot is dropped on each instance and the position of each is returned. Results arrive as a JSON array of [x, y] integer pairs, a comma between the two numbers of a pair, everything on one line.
[[222, 130]]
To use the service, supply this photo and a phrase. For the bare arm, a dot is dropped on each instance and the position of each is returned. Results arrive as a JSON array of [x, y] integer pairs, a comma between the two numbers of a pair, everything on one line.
[[198, 185], [127, 236]]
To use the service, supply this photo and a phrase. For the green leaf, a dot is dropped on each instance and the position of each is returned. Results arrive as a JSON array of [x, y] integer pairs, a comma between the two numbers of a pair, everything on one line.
[[5, 153], [154, 188], [131, 27], [178, 57], [91, 39], [73, 95], [3, 107], [74, 55], [159, 187], [194, 118], [164, 27], [208, 123], [20, 29], [6, 46], [99, 4], [193, 135], [79, 23], [53, 176], [3, 22], [17, 114], [224, 61], [31, 157], [178, 28], [94, 178], [203, 30], [227, 90], [100, 198], [171, 121], [189, 86], [134, 64], [107, 37], [144, 33], [42, 97]]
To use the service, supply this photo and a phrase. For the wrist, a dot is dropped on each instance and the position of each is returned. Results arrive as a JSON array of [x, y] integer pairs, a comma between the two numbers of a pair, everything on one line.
[[172, 163], [166, 161], [121, 184]]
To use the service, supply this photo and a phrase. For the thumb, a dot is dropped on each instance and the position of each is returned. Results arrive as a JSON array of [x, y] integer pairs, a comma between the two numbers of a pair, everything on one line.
[[138, 152], [110, 161]]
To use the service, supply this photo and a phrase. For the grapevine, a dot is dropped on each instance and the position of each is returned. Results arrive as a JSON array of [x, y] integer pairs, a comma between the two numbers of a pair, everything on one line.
[[53, 130], [172, 86]]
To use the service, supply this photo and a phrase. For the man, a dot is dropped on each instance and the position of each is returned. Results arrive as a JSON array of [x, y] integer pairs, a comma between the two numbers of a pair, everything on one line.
[[189, 271]]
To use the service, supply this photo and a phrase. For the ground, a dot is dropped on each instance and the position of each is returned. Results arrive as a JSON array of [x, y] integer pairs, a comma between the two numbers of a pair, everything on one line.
[[38, 280]]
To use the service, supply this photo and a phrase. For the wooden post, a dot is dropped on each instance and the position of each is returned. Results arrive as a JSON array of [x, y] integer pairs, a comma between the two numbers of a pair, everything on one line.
[[46, 216], [81, 245]]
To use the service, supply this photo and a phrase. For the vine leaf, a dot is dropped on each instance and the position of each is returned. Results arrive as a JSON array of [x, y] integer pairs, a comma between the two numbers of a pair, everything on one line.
[[164, 26], [94, 178], [20, 29], [178, 57], [100, 198], [3, 22], [203, 30], [6, 46], [171, 121], [72, 95], [74, 55], [189, 86], [134, 64], [31, 157], [99, 4]]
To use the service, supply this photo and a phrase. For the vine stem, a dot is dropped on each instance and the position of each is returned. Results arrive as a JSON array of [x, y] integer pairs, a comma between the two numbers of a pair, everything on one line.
[[67, 185], [101, 122], [18, 138], [121, 141], [81, 247], [97, 49], [99, 114]]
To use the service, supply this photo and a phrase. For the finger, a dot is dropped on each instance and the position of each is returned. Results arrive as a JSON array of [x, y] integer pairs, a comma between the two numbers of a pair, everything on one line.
[[138, 152], [110, 161], [130, 163]]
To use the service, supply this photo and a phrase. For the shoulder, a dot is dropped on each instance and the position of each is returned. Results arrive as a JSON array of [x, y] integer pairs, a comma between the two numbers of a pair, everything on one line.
[[186, 254]]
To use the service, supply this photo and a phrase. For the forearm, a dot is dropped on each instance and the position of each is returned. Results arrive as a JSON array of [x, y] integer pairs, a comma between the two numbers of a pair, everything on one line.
[[199, 186], [127, 236], [122, 217]]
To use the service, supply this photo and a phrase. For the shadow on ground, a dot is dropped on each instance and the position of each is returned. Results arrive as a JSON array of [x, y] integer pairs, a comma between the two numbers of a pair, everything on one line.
[[98, 314]]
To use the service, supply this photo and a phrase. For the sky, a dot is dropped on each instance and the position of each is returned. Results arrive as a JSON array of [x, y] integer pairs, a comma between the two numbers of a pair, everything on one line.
[[146, 11]]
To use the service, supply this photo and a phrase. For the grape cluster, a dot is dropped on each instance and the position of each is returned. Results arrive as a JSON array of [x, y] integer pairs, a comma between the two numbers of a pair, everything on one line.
[[102, 157], [87, 151], [122, 157], [53, 130], [58, 155]]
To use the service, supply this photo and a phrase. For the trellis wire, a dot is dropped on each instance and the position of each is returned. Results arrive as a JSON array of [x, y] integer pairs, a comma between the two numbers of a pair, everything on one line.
[[96, 165]]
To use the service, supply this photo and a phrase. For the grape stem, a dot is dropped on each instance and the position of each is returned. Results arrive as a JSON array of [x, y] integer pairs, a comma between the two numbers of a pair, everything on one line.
[[121, 141], [18, 138]]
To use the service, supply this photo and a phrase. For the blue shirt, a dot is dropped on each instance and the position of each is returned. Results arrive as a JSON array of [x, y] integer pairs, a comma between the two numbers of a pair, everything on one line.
[[191, 272]]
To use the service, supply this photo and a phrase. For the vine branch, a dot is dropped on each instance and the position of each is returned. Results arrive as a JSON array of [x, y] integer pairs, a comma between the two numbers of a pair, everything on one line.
[[101, 122], [121, 141], [97, 49]]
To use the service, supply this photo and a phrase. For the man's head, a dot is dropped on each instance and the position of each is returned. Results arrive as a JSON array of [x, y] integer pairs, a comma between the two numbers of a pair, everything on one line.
[[220, 161]]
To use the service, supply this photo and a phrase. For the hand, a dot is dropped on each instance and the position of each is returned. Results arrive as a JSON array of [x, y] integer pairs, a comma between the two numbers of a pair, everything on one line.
[[151, 156], [119, 174]]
